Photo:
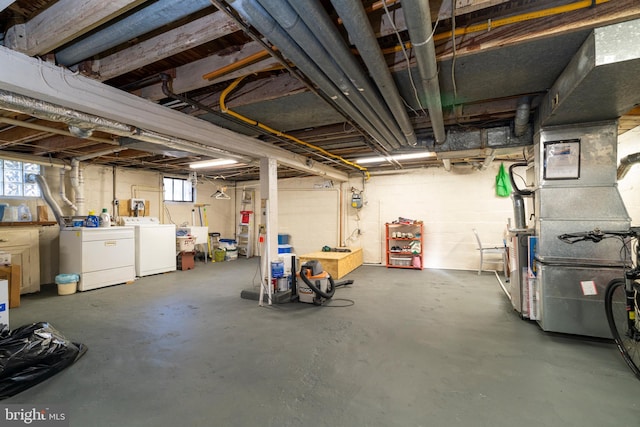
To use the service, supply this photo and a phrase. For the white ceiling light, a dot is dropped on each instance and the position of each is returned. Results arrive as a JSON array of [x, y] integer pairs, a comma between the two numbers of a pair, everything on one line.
[[397, 157], [212, 163]]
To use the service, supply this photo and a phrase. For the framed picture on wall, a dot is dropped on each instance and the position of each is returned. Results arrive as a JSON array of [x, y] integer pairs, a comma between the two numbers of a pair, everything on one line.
[[562, 159]]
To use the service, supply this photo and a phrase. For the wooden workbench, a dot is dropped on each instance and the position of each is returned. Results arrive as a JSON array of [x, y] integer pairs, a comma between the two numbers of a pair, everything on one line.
[[337, 264]]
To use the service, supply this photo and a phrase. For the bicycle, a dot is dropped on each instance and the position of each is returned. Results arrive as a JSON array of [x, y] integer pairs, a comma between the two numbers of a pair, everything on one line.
[[622, 295]]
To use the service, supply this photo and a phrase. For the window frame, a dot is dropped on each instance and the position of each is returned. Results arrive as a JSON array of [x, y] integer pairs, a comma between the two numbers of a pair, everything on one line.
[[190, 191], [25, 186]]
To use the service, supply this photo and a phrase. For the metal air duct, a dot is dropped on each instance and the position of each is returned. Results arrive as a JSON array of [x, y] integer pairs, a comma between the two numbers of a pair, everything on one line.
[[418, 19], [46, 195], [47, 111], [626, 163], [523, 111]]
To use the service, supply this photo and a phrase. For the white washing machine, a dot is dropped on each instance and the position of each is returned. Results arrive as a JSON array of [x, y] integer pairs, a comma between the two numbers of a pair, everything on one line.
[[155, 244]]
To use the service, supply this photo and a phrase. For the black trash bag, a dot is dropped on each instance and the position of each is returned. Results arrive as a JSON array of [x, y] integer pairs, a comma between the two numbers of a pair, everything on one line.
[[32, 353]]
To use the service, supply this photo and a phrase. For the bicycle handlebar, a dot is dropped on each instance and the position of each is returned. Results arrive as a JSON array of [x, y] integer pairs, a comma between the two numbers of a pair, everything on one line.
[[598, 235]]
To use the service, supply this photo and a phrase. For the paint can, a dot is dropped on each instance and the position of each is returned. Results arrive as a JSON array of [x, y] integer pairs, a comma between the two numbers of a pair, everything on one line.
[[283, 284]]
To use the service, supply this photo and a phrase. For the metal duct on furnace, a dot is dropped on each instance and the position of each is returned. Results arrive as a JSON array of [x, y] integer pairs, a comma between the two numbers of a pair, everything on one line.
[[46, 195], [626, 163], [576, 191]]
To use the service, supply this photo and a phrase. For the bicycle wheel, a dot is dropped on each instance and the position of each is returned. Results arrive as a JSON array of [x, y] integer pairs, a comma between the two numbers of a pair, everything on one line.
[[627, 337]]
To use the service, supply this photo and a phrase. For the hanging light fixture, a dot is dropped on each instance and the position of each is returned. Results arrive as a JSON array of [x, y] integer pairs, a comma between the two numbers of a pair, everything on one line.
[[212, 163]]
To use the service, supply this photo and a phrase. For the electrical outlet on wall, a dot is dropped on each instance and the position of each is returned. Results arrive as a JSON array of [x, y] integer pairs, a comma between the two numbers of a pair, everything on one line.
[[137, 203]]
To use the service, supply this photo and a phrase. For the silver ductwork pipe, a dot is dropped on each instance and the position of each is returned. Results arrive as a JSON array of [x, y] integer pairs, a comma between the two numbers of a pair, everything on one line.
[[356, 21], [418, 19], [47, 111], [55, 113], [259, 18], [46, 195], [626, 163], [154, 16], [523, 111], [519, 214], [105, 152], [181, 144], [488, 160], [310, 26]]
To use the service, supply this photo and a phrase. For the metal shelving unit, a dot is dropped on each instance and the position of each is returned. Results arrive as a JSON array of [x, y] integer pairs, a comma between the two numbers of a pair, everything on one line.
[[245, 240], [401, 242]]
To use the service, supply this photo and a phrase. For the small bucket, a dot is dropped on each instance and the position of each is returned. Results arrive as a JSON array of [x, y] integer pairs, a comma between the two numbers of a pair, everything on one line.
[[67, 283], [218, 255]]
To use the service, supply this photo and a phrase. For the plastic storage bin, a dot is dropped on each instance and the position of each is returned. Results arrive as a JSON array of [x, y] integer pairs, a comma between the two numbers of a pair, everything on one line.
[[185, 243], [283, 239], [400, 261], [284, 249], [231, 255], [228, 244]]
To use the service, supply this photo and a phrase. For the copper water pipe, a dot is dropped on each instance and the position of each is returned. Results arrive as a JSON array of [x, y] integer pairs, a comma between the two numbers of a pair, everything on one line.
[[251, 59]]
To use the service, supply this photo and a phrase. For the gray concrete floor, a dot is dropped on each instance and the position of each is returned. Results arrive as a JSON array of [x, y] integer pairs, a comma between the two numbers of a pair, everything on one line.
[[418, 348]]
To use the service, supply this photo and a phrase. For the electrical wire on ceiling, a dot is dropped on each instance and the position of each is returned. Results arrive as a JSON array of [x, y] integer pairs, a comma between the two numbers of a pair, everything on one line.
[[226, 110], [515, 19], [406, 57], [453, 50]]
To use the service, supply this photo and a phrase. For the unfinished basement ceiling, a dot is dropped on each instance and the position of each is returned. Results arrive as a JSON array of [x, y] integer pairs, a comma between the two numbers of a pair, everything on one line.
[[504, 58]]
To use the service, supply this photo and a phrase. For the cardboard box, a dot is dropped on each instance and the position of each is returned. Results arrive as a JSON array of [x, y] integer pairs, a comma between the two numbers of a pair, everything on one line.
[[43, 213], [4, 302], [11, 273]]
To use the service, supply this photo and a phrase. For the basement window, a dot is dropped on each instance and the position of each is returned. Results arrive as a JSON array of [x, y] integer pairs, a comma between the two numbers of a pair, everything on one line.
[[16, 179], [177, 190]]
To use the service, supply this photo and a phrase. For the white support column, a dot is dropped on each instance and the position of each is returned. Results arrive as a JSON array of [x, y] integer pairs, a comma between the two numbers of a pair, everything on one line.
[[269, 191], [269, 217], [5, 4]]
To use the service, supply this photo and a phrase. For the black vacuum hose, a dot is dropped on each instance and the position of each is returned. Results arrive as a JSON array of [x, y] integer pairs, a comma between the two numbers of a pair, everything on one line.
[[314, 288], [513, 182]]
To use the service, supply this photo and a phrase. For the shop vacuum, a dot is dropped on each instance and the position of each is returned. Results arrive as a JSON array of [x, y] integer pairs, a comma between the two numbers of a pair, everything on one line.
[[313, 285]]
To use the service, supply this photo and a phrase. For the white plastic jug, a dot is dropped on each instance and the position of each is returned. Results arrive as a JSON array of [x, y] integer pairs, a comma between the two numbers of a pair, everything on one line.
[[10, 214], [24, 213]]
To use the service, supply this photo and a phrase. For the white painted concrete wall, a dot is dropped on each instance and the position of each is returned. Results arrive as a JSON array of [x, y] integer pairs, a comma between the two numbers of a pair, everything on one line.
[[450, 204]]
